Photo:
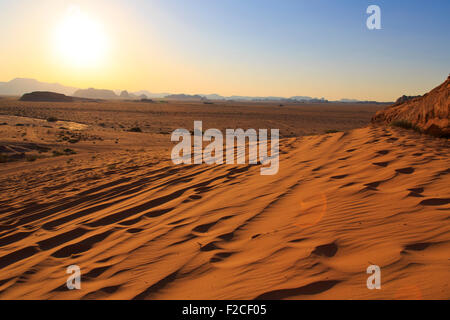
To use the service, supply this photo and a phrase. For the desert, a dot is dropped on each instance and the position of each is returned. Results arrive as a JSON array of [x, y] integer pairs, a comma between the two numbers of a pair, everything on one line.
[[224, 158], [107, 198]]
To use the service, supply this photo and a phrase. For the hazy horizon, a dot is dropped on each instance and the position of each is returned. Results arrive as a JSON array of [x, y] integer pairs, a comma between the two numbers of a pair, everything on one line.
[[263, 48], [117, 91]]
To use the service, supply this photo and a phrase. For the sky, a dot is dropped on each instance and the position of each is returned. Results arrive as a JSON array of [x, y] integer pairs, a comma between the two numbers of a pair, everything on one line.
[[229, 47]]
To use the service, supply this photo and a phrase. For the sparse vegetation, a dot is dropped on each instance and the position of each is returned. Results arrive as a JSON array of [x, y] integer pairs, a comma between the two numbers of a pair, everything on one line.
[[69, 151], [65, 152], [405, 124], [31, 157], [135, 129], [73, 137]]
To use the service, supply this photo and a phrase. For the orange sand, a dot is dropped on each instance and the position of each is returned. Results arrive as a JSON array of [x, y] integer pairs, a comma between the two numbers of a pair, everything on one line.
[[147, 229]]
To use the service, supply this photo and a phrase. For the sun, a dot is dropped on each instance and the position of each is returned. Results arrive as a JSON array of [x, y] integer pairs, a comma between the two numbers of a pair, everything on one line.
[[80, 40]]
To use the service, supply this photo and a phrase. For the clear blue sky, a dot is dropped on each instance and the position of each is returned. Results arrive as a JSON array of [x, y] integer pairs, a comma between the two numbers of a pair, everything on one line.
[[260, 47]]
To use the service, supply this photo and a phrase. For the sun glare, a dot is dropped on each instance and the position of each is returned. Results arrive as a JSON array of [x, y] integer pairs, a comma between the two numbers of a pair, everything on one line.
[[80, 40]]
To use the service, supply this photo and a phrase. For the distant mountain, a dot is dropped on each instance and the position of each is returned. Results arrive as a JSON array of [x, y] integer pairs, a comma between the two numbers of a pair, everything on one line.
[[361, 101], [150, 94], [345, 100], [183, 96], [92, 93], [125, 95], [46, 96], [301, 98], [213, 96], [265, 98], [242, 98], [19, 86]]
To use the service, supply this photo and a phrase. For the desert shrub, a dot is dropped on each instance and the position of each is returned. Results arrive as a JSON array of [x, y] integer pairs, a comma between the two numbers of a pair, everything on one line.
[[332, 131], [135, 129], [52, 119], [31, 157], [3, 158], [405, 124], [69, 151]]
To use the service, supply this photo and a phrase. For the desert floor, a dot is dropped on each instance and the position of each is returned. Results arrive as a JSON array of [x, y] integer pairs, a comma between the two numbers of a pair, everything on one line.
[[83, 190]]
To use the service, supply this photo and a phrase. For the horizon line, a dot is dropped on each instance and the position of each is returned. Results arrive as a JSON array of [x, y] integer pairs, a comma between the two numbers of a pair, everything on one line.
[[225, 97]]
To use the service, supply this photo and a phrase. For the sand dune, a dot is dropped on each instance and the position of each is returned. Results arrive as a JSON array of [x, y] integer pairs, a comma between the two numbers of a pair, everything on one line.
[[146, 229]]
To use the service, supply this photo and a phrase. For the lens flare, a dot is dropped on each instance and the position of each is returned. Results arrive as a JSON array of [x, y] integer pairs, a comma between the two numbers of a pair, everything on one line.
[[320, 198]]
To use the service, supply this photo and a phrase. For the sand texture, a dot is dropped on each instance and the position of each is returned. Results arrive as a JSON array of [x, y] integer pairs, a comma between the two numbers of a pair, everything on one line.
[[140, 227]]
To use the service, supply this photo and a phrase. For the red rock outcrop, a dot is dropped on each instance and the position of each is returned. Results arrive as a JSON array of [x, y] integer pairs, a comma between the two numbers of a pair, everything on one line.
[[429, 113]]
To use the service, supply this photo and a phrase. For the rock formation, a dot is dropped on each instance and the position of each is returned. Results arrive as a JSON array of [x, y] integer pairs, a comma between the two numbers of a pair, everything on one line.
[[429, 113]]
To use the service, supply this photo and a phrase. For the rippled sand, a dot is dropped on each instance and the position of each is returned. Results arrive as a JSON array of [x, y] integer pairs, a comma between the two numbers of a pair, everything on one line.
[[141, 228]]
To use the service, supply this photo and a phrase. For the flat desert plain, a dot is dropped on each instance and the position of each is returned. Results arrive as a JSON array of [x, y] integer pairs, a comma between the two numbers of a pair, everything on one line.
[[92, 184]]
